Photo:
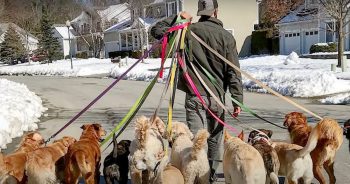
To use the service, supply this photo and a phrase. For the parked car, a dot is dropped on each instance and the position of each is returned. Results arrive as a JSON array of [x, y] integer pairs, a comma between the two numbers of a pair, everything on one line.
[[37, 57]]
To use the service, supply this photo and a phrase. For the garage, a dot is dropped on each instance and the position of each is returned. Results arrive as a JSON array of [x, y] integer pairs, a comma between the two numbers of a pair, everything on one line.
[[291, 43]]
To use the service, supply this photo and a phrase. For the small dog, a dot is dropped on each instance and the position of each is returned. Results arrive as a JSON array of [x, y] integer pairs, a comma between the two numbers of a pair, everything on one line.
[[84, 156], [325, 139], [242, 163], [190, 157], [116, 164], [13, 164], [260, 140], [40, 167], [147, 149]]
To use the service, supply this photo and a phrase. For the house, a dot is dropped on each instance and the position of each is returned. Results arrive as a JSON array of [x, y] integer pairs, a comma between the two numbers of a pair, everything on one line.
[[29, 41], [66, 39], [113, 15], [132, 33], [238, 17], [307, 25]]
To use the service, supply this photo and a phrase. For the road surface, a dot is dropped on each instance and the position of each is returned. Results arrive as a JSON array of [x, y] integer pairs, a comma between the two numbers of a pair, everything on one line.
[[64, 97]]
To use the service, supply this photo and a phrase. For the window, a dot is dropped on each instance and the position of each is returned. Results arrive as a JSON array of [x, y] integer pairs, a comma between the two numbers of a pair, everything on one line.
[[172, 9], [290, 35], [311, 33], [298, 34], [286, 35], [330, 32], [294, 34], [316, 33], [307, 33]]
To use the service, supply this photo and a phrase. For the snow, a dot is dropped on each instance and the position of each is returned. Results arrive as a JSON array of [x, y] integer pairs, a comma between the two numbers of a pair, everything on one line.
[[321, 44], [293, 58], [337, 99], [20, 109], [81, 67]]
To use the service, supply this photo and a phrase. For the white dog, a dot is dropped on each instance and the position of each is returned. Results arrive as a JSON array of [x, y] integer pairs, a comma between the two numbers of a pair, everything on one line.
[[190, 157], [242, 163]]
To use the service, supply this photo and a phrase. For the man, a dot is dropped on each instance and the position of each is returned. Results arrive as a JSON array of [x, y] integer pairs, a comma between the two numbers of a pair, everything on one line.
[[210, 29]]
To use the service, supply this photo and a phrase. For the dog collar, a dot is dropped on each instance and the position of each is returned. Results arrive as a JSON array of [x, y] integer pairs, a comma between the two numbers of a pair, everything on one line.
[[155, 170]]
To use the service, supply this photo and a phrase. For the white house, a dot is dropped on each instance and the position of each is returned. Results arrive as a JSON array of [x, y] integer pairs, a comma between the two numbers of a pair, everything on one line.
[[63, 37], [132, 33], [29, 41], [113, 15], [307, 25]]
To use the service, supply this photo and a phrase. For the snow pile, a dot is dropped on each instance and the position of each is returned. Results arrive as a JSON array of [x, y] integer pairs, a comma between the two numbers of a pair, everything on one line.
[[145, 71], [81, 67], [293, 58], [20, 109], [309, 78], [337, 99]]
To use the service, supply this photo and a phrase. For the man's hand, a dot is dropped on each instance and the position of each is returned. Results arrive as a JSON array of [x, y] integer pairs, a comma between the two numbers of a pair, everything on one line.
[[236, 111], [185, 15]]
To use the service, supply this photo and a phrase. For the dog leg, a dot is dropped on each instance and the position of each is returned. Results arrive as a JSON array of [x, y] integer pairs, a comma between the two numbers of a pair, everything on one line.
[[318, 174], [329, 167]]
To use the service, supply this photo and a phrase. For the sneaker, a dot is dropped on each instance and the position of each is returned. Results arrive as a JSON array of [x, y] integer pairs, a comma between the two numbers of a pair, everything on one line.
[[213, 178]]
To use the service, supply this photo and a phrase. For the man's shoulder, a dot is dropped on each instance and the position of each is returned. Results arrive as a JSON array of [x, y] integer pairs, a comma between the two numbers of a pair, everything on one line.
[[208, 26]]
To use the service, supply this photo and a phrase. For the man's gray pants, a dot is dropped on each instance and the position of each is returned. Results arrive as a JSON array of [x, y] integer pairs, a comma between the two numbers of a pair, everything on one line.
[[198, 117]]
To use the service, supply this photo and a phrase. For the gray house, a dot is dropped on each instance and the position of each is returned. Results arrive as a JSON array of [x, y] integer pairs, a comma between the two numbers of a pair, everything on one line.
[[307, 25], [132, 33]]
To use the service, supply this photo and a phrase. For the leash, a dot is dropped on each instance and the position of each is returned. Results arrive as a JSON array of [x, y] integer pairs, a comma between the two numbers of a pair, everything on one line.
[[253, 79], [154, 46], [219, 88]]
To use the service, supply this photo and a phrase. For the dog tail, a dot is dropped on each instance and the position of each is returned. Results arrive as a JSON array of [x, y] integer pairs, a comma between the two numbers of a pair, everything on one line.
[[199, 142], [327, 129], [274, 178], [81, 163]]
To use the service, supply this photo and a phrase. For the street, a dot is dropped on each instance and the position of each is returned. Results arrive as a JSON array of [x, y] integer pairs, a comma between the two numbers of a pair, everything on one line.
[[64, 97]]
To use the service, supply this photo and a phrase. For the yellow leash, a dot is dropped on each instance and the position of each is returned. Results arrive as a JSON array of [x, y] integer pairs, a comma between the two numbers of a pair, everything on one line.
[[253, 79]]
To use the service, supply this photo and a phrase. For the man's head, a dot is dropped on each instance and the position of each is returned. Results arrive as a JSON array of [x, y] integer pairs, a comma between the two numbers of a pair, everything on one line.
[[207, 8]]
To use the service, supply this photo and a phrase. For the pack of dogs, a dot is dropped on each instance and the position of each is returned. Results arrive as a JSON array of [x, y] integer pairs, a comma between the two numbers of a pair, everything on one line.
[[148, 159]]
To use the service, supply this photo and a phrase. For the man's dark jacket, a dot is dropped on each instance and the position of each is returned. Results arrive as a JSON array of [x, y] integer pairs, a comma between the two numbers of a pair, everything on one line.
[[212, 32]]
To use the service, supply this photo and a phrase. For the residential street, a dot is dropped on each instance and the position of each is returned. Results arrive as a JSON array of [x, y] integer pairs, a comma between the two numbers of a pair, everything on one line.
[[64, 97]]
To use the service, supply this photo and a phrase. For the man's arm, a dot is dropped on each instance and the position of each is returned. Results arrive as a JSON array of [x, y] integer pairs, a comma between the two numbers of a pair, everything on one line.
[[161, 27], [234, 79]]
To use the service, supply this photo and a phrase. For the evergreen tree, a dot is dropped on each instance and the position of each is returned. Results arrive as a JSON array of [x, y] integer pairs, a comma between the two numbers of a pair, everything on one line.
[[11, 48], [48, 44]]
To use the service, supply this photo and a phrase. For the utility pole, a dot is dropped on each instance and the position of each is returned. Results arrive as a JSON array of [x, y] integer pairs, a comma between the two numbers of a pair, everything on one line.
[[68, 24]]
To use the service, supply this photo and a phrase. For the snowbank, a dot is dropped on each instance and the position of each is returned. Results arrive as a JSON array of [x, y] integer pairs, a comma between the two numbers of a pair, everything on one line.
[[338, 99], [293, 58], [20, 109], [81, 67]]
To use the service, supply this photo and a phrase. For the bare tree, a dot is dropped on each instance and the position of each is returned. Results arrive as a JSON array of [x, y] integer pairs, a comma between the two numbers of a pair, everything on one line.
[[339, 11]]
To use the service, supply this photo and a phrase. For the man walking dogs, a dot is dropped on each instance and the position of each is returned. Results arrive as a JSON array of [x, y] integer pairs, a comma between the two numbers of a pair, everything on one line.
[[210, 29]]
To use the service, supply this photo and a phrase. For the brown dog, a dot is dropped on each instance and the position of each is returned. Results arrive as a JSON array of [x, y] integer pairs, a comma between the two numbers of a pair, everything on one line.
[[326, 138], [83, 157], [13, 164], [40, 167]]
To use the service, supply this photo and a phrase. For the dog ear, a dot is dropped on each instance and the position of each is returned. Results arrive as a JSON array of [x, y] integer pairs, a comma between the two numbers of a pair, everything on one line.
[[269, 133], [97, 126], [241, 136], [84, 127], [159, 125]]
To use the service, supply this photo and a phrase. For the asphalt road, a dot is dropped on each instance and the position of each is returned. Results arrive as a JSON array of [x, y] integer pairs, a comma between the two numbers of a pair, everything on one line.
[[64, 97]]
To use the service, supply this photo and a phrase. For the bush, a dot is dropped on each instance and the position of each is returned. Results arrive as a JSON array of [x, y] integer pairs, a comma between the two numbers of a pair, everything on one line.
[[262, 43], [82, 55], [327, 47]]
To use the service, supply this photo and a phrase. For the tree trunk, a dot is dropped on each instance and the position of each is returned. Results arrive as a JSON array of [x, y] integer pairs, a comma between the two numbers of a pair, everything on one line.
[[340, 43]]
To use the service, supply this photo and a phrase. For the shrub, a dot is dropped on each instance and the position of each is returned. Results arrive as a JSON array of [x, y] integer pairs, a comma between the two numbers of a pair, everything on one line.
[[82, 55], [263, 42], [327, 47]]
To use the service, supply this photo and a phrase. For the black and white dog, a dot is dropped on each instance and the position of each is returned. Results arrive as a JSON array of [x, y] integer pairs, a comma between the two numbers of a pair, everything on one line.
[[116, 164]]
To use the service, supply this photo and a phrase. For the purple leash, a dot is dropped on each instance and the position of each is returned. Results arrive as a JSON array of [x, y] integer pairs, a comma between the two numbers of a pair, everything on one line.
[[155, 45]]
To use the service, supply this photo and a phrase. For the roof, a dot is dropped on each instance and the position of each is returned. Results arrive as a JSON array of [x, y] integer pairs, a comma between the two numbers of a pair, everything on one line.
[[63, 31], [157, 1], [124, 25], [119, 11], [19, 30], [300, 14]]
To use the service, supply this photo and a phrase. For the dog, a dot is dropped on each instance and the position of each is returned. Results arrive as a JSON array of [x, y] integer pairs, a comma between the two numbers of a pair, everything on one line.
[[84, 156], [14, 164], [346, 131], [325, 140], [167, 174], [190, 157], [40, 166], [116, 164], [147, 149], [242, 163], [260, 140]]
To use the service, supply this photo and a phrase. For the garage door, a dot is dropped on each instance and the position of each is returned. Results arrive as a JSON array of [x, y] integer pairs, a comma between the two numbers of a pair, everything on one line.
[[292, 43], [311, 38]]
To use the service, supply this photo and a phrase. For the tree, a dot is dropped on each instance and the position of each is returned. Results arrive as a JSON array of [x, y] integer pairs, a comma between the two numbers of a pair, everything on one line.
[[48, 44], [338, 10], [11, 48]]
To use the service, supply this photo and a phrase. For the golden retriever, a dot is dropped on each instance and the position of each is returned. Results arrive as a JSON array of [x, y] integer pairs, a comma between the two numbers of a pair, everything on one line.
[[324, 139], [190, 157], [242, 163], [13, 164], [83, 157], [40, 167]]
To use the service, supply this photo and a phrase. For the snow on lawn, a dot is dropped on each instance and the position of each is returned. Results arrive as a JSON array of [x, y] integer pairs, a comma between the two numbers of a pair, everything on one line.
[[20, 109], [337, 99], [81, 67], [298, 78]]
